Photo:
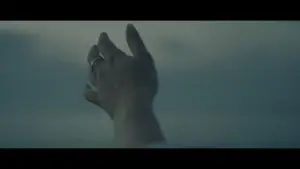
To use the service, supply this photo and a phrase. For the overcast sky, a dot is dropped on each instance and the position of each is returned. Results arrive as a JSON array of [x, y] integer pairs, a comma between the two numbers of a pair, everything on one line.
[[222, 84]]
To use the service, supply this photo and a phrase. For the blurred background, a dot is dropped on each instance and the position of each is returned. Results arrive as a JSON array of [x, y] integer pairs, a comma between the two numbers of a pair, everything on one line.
[[222, 83]]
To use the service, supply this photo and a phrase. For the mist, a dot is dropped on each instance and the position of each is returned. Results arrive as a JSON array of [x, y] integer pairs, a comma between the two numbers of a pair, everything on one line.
[[222, 84]]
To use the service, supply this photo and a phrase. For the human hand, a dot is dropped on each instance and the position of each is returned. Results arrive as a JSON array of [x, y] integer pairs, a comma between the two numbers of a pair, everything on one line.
[[118, 81]]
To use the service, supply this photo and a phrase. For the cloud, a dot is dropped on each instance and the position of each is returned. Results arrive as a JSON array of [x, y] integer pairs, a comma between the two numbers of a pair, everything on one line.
[[176, 46], [41, 99], [226, 83]]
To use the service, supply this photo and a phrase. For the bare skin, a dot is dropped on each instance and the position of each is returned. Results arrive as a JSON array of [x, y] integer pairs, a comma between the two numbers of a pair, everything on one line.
[[125, 87]]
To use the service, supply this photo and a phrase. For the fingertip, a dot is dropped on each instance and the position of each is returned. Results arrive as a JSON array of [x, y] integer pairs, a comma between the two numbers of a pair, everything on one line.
[[135, 41], [94, 52], [103, 36], [89, 97], [89, 94], [130, 30], [94, 48], [130, 26], [106, 47]]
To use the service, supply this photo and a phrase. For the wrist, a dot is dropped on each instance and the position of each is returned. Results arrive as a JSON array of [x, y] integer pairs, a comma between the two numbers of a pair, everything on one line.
[[136, 125]]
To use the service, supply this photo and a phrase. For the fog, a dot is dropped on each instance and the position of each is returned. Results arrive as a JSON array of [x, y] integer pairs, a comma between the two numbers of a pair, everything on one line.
[[222, 84]]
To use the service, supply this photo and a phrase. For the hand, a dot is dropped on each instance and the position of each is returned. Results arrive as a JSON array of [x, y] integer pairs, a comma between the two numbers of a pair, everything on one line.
[[125, 86], [121, 81]]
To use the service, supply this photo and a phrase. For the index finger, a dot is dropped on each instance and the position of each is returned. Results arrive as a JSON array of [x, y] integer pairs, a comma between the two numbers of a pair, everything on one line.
[[136, 43], [93, 54]]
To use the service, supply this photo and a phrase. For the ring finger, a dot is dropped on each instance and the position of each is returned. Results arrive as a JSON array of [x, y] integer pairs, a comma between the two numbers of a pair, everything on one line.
[[93, 59]]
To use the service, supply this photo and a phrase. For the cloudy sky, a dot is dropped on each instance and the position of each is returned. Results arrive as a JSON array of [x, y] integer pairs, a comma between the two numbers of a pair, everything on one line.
[[222, 83]]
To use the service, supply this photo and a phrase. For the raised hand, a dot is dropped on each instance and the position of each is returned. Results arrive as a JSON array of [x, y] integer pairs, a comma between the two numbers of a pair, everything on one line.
[[119, 82], [125, 87]]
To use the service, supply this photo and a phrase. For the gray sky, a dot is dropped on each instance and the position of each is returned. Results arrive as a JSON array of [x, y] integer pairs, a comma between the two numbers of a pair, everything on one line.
[[222, 84]]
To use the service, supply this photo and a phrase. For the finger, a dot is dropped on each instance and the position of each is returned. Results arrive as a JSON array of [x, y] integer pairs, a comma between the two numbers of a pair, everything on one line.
[[93, 59], [107, 48], [135, 43], [93, 54], [92, 81], [90, 95]]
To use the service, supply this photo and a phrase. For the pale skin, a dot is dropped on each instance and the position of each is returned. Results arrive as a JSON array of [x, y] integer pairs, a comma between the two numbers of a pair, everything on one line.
[[125, 88]]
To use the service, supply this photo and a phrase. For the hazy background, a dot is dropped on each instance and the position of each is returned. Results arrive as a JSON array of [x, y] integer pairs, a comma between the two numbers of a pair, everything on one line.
[[222, 84]]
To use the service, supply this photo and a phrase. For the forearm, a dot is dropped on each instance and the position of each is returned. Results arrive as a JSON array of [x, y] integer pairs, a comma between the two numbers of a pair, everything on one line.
[[137, 126]]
